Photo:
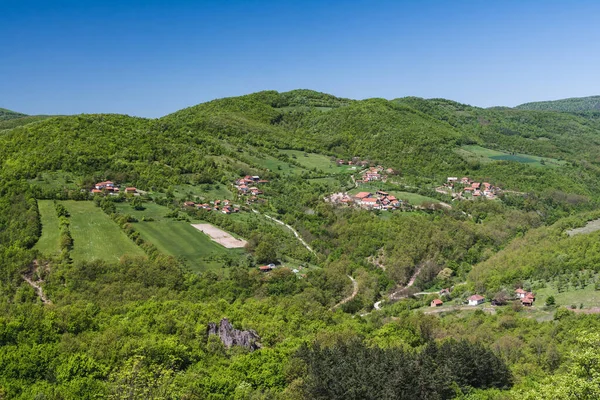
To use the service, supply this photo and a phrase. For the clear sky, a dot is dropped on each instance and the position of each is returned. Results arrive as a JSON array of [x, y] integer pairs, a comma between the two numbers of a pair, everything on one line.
[[150, 58]]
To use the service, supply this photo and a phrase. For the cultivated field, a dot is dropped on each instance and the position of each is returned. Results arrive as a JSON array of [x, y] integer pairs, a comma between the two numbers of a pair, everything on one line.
[[179, 238], [220, 236], [49, 241], [481, 154], [95, 235]]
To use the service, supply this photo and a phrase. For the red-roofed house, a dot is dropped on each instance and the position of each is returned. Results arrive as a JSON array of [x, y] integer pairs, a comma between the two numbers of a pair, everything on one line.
[[475, 185], [520, 293], [476, 300], [265, 268], [130, 190], [436, 303], [362, 195]]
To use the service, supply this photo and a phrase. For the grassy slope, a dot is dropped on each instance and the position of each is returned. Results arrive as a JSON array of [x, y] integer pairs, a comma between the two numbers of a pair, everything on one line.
[[178, 238], [49, 241], [95, 235]]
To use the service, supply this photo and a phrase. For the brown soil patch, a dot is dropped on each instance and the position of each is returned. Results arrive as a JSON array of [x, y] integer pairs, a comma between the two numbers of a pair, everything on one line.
[[220, 236]]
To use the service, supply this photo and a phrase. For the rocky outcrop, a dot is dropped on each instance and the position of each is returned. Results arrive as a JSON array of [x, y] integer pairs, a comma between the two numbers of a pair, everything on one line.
[[234, 337]]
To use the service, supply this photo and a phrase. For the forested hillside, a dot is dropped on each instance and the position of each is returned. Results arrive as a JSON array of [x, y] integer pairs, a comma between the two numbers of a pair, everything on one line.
[[575, 104], [8, 114], [110, 293]]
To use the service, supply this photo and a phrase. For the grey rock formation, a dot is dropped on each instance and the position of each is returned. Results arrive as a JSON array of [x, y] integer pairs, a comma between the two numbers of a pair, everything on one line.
[[234, 337]]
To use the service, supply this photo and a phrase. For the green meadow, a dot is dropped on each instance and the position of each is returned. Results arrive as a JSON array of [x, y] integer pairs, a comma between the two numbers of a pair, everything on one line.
[[48, 244], [318, 161], [179, 238], [95, 235], [484, 155]]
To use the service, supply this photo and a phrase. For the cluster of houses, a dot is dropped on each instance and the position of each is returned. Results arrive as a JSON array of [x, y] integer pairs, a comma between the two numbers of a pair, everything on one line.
[[247, 186], [466, 188], [526, 298], [109, 187], [376, 174], [379, 200], [224, 206]]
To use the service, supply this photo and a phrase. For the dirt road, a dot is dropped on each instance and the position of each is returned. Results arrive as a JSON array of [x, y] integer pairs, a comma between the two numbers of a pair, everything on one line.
[[353, 295]]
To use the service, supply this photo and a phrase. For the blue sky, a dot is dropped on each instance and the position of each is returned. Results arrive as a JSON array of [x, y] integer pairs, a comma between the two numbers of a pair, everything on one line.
[[150, 58]]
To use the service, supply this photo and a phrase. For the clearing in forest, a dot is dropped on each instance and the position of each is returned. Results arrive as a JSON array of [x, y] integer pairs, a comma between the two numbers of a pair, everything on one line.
[[220, 236], [48, 244], [590, 227], [95, 235], [179, 238], [484, 155]]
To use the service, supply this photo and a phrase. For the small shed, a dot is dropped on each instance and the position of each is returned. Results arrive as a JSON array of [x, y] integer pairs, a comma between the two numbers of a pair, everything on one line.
[[436, 303]]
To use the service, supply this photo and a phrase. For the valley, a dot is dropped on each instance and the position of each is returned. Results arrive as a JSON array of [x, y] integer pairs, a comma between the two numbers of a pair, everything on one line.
[[332, 228]]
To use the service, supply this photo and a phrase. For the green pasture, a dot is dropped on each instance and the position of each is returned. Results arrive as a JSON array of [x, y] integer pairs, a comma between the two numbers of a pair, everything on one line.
[[50, 240], [205, 192], [484, 155], [318, 161], [95, 235], [179, 238]]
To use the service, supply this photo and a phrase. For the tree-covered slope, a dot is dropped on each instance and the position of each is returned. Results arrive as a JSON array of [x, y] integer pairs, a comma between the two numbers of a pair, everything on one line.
[[574, 104], [8, 114]]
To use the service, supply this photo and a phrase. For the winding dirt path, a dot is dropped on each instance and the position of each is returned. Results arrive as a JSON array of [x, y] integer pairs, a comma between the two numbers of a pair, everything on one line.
[[34, 268], [291, 229], [353, 295]]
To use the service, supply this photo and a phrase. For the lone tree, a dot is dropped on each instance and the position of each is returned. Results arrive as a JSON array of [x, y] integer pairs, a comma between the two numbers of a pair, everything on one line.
[[550, 301]]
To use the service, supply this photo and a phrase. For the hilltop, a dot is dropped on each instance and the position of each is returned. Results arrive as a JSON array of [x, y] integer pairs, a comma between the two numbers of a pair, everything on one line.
[[574, 104]]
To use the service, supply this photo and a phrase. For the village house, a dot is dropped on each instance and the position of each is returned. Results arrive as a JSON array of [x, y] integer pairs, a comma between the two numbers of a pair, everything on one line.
[[476, 300], [130, 190], [436, 303], [520, 293], [189, 204], [265, 268]]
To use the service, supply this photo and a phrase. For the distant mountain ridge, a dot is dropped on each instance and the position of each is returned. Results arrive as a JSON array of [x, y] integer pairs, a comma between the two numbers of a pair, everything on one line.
[[574, 104]]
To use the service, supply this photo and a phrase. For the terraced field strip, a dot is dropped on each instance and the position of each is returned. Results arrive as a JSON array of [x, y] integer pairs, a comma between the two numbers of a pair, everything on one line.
[[49, 241], [95, 235]]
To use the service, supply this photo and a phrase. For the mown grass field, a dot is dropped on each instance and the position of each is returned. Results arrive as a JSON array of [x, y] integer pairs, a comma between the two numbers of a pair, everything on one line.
[[484, 155], [179, 238], [48, 244], [95, 235]]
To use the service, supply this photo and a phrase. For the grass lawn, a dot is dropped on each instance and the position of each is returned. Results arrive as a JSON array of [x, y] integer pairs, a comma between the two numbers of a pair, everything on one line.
[[473, 152], [275, 165], [179, 238], [318, 161], [95, 235], [587, 296], [49, 241]]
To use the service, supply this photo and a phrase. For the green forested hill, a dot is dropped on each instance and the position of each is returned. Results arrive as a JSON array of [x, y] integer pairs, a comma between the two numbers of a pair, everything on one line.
[[8, 114], [137, 327], [575, 104]]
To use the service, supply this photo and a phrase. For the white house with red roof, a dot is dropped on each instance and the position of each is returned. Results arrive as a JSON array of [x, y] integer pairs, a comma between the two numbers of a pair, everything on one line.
[[476, 300]]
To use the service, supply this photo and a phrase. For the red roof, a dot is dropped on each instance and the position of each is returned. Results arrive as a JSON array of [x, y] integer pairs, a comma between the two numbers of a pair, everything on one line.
[[362, 195], [475, 185], [437, 302], [476, 297], [370, 200], [265, 268], [520, 291]]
